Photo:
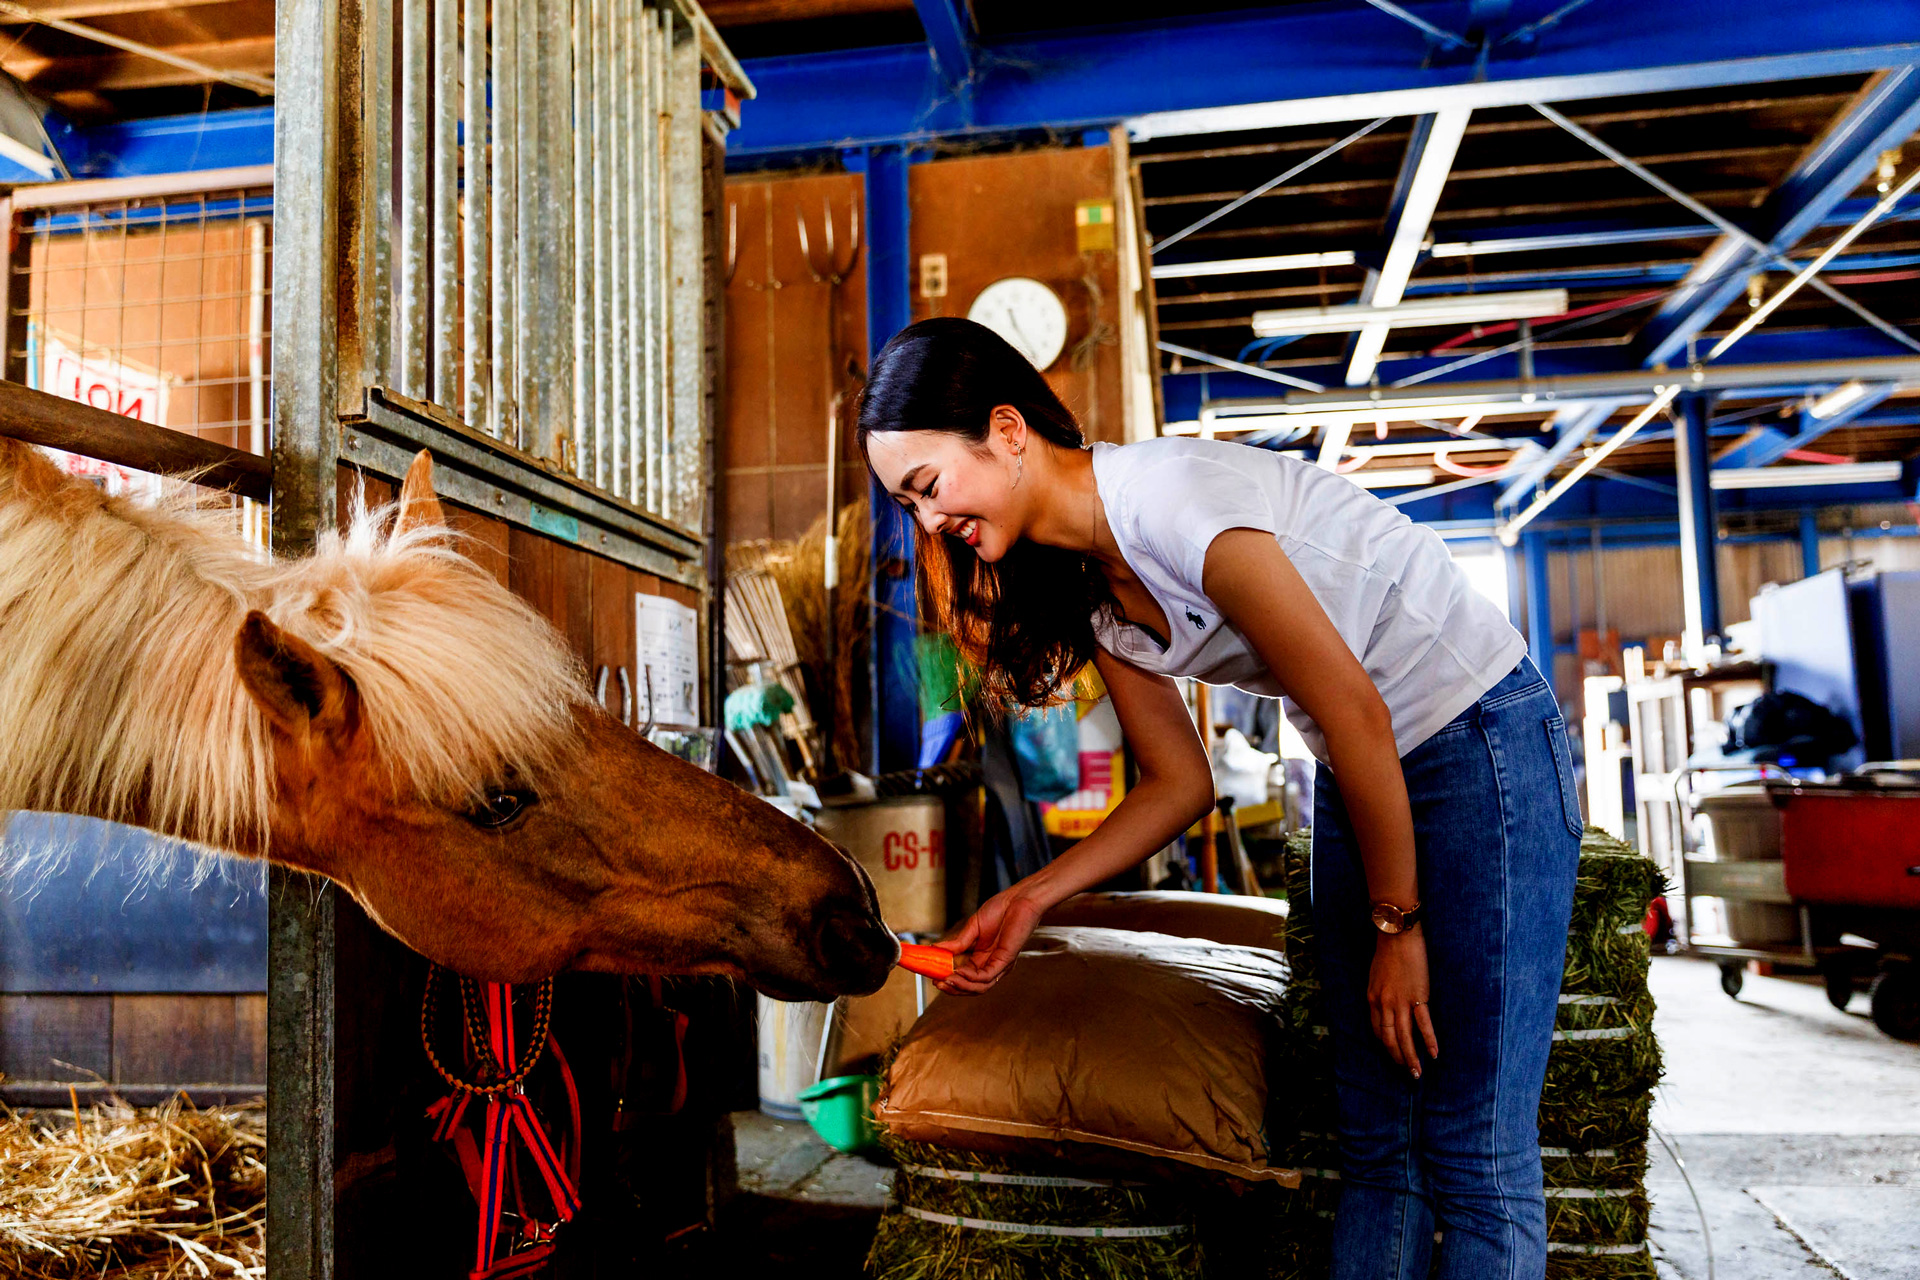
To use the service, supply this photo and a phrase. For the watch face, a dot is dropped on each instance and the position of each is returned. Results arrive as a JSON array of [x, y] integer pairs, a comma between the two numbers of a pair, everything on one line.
[[1027, 314], [1388, 919]]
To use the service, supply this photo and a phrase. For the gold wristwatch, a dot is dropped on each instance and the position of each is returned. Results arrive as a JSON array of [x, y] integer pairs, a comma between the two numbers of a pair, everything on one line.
[[1388, 918]]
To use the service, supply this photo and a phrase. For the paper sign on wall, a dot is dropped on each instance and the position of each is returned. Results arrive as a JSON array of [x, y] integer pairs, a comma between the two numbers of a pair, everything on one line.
[[668, 661], [103, 380]]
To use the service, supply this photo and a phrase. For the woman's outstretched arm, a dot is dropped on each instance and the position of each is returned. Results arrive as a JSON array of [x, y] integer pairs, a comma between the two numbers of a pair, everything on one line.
[[1176, 788], [1264, 596]]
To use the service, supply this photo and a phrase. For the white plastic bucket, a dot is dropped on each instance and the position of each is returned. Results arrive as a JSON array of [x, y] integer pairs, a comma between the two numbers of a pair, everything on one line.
[[789, 1045]]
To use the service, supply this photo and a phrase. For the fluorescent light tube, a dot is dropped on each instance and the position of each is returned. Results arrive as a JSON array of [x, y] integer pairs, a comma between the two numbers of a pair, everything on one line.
[[1837, 399], [1818, 473], [1472, 308], [1247, 266], [1392, 477]]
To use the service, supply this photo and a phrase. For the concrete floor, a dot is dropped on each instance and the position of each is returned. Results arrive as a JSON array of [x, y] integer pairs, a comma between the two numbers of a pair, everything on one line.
[[1798, 1125]]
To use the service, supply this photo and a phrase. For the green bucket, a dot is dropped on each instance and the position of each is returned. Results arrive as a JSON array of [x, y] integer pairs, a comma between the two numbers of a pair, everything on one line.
[[841, 1112]]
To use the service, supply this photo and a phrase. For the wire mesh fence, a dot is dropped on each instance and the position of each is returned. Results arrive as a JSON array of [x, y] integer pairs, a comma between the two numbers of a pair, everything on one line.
[[148, 301]]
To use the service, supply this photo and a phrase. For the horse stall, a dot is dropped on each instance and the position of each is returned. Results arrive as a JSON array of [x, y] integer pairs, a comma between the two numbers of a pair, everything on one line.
[[126, 968], [504, 252], [494, 241]]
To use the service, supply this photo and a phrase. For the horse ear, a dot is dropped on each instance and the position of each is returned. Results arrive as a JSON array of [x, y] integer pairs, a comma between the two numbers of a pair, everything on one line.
[[302, 691], [419, 505]]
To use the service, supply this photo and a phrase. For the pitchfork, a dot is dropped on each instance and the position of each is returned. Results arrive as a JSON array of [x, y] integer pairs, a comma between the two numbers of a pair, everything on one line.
[[831, 274]]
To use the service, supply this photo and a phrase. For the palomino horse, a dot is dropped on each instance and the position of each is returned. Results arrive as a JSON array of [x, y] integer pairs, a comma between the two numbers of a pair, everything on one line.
[[386, 714]]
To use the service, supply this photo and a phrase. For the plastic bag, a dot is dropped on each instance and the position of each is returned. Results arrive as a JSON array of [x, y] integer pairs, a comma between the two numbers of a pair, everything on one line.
[[1046, 742]]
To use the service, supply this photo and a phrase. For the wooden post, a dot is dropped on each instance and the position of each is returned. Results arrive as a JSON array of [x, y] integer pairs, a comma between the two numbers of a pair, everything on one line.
[[1209, 825], [305, 443]]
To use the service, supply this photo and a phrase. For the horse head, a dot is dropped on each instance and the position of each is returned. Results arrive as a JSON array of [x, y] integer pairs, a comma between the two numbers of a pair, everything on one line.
[[590, 849]]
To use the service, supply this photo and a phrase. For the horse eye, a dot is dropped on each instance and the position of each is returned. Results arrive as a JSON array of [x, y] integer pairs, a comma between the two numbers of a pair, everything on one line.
[[501, 808]]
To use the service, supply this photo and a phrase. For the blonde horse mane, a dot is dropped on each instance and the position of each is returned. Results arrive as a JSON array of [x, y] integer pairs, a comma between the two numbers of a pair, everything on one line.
[[120, 697]]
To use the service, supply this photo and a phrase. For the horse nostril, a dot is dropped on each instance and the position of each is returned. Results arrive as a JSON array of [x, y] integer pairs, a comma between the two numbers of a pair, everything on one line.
[[856, 948]]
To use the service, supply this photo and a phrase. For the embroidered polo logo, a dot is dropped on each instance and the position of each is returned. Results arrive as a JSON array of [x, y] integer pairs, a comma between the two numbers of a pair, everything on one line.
[[1196, 620]]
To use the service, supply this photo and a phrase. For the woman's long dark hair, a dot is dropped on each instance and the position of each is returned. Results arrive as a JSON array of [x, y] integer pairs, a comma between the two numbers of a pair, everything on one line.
[[1023, 625]]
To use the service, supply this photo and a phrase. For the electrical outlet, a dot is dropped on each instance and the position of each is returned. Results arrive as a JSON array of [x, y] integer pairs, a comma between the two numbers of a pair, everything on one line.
[[933, 275]]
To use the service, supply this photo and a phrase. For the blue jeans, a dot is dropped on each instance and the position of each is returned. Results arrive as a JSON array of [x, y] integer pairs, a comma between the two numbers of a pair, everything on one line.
[[1497, 836]]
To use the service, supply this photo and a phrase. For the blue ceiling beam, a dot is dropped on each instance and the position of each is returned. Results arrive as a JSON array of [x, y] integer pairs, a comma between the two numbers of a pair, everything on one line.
[[1771, 444], [1882, 116], [1604, 277], [1304, 64], [1585, 234], [1183, 390], [1885, 115], [952, 37]]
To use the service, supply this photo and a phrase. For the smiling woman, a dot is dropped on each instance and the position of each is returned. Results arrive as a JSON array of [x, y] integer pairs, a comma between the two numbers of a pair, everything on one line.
[[1446, 826], [944, 424]]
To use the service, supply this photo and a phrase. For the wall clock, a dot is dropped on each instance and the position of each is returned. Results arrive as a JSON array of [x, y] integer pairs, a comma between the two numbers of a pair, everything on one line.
[[1027, 314]]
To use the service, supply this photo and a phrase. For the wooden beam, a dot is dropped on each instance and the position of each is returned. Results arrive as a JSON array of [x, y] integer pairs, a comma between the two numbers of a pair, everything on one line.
[[251, 57], [39, 418], [76, 9]]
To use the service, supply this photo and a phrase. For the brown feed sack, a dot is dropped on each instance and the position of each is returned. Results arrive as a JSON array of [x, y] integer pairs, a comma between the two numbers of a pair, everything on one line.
[[1175, 1066], [1225, 918]]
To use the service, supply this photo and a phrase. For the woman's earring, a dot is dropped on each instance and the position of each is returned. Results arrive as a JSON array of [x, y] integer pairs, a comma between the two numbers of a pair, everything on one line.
[[1019, 468]]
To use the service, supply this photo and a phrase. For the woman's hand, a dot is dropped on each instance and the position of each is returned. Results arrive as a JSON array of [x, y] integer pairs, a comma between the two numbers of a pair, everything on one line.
[[986, 945], [1397, 997]]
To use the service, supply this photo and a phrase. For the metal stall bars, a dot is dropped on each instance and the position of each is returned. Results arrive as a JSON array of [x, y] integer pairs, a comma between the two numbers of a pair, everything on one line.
[[495, 243], [146, 297], [525, 210]]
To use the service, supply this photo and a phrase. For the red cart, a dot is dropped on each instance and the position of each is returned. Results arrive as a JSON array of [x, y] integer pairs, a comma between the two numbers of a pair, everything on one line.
[[1848, 871]]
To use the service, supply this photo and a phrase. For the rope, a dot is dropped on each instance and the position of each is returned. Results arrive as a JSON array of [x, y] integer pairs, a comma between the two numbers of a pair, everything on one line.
[[1034, 1229], [1010, 1179], [1597, 1250], [1596, 1033]]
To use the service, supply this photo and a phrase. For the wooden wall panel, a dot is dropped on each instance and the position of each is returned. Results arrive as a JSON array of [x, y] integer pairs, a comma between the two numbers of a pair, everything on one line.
[[1012, 214], [172, 1039], [36, 1029], [486, 540], [788, 340], [788, 337]]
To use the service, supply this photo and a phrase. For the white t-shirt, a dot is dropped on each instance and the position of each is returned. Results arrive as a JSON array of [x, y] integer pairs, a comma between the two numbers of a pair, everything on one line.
[[1431, 643]]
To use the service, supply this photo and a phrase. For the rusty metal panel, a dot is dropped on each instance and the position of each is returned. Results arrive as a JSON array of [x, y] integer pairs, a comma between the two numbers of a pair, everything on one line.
[[583, 308], [601, 119], [445, 164], [686, 277], [376, 219], [414, 268], [476, 401], [628, 342], [505, 423]]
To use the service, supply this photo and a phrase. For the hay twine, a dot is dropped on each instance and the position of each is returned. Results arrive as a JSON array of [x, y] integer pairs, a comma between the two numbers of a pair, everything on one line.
[[123, 1193]]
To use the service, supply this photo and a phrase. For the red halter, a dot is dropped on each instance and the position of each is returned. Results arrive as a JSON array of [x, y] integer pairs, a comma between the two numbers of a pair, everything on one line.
[[486, 1164]]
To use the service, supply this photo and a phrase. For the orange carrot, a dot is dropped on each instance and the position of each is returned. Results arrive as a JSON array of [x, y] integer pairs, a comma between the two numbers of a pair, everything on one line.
[[931, 962]]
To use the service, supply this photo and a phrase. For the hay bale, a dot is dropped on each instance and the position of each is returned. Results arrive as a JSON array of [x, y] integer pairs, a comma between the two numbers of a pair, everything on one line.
[[126, 1193], [976, 1187], [1594, 1110], [1622, 1166], [1572, 1262]]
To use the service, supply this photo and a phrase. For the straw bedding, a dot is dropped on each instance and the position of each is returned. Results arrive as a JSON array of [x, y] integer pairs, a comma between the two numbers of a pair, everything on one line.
[[120, 1193]]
